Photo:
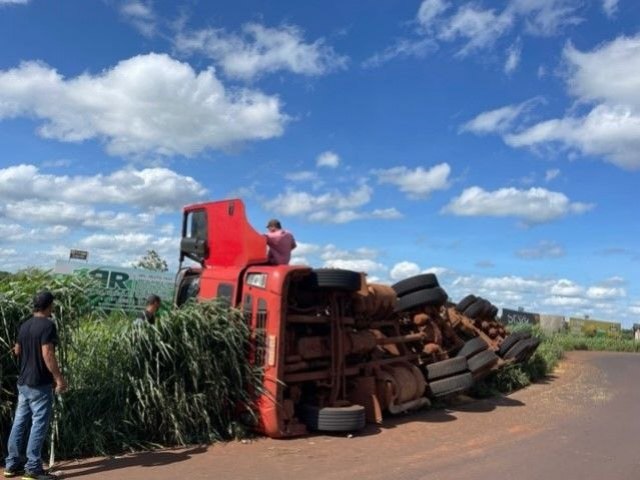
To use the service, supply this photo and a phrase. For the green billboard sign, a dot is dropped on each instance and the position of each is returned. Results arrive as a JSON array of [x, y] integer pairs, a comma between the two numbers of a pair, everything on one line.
[[123, 288]]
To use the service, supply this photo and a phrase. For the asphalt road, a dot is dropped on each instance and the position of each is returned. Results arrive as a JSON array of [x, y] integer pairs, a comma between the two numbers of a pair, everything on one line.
[[582, 423]]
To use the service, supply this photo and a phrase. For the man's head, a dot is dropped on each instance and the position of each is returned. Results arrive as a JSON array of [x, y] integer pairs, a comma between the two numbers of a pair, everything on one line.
[[274, 225], [43, 302], [153, 303]]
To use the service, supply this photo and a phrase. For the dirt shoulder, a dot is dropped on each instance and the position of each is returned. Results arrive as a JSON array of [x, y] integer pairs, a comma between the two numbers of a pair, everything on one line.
[[435, 443]]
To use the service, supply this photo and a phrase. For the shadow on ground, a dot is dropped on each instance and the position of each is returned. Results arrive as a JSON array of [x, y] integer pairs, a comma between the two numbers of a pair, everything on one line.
[[71, 469]]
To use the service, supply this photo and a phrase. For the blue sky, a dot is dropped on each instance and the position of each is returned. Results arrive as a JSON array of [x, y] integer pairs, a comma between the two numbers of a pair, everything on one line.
[[494, 143]]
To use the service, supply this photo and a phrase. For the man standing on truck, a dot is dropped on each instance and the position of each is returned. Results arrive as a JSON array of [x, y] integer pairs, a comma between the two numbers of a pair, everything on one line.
[[281, 243], [39, 372]]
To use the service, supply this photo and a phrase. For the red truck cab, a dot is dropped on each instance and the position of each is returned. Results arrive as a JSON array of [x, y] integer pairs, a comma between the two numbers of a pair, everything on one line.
[[335, 351]]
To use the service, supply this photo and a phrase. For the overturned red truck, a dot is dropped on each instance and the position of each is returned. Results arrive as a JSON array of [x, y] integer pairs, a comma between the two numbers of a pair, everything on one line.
[[337, 351]]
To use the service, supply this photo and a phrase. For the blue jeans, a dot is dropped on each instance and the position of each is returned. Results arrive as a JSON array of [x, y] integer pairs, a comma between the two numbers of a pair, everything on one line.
[[35, 404]]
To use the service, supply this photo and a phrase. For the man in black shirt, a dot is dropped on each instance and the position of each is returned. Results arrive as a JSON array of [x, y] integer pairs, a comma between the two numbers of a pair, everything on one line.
[[39, 371], [148, 315]]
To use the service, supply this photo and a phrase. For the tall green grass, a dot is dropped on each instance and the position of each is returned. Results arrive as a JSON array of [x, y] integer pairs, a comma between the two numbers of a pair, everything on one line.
[[183, 380]]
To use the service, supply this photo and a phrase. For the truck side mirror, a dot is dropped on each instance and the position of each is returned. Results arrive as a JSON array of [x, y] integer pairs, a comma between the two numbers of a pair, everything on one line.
[[194, 248]]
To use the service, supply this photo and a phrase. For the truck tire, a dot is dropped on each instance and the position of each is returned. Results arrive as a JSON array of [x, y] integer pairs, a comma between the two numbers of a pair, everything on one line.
[[534, 342], [510, 341], [465, 303], [434, 297], [334, 419], [519, 352], [475, 309], [446, 368], [447, 386], [412, 284], [337, 279], [473, 346], [482, 360], [493, 312]]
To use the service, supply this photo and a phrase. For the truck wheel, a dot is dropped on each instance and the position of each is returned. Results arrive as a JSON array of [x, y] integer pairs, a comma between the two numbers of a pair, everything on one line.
[[533, 345], [446, 368], [519, 352], [447, 386], [482, 360], [473, 346], [493, 312], [412, 284], [346, 280], [334, 419], [434, 297], [510, 341], [465, 303], [475, 309]]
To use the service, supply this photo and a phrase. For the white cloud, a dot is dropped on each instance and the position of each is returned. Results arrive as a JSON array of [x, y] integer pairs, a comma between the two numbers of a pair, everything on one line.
[[148, 104], [329, 207], [535, 205], [551, 174], [302, 176], [479, 28], [359, 260], [429, 10], [417, 183], [605, 293], [259, 49], [402, 270], [610, 7], [357, 265], [546, 17], [13, 2], [501, 119], [328, 159], [544, 249], [386, 213], [606, 80], [635, 309], [403, 48], [566, 288], [302, 203], [158, 189], [141, 15], [514, 53], [565, 302]]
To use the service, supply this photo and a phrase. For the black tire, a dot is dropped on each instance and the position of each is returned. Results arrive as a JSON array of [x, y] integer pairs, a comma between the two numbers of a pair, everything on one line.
[[412, 284], [493, 312], [519, 351], [334, 419], [482, 360], [446, 368], [433, 297], [510, 341], [473, 346], [533, 345], [465, 303], [447, 386], [346, 280], [475, 309]]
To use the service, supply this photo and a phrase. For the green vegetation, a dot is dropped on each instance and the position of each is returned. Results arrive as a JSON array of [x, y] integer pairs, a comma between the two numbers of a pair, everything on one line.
[[183, 380], [547, 356]]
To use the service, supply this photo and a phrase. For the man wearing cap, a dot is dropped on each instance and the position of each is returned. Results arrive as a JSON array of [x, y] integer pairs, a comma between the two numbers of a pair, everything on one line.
[[39, 372], [280, 243], [148, 315]]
